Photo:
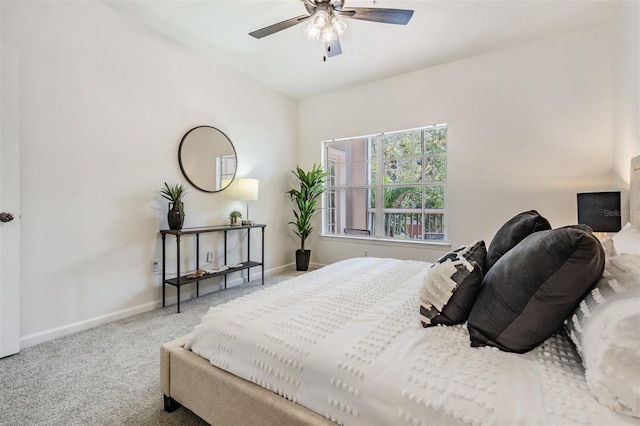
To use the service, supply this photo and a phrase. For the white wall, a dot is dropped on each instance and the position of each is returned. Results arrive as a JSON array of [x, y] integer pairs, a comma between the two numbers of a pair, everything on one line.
[[528, 128], [626, 96], [105, 102]]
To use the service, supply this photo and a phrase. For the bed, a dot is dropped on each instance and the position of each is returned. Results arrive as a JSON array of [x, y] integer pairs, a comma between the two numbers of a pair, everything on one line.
[[368, 341]]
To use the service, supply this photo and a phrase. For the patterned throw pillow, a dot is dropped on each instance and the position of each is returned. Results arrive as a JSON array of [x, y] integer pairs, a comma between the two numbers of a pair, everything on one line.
[[451, 286], [606, 331]]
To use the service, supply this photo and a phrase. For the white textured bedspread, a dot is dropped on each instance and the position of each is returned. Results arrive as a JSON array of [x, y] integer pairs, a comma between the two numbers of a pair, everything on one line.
[[346, 342]]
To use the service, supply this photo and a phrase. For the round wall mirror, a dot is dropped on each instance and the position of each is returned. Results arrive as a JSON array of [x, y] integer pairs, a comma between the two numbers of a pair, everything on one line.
[[207, 158]]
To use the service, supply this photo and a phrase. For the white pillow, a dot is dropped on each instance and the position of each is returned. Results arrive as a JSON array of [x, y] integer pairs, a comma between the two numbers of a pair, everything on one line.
[[608, 247], [627, 241], [606, 331]]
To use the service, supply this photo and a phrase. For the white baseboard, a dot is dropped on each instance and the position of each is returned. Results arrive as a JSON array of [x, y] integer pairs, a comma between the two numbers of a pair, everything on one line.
[[54, 333], [312, 266]]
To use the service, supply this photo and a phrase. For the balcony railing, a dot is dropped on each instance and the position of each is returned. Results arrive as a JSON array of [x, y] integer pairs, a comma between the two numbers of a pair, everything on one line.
[[413, 224]]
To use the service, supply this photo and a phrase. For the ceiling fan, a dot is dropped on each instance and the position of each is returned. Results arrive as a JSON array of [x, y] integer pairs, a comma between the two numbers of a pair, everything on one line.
[[326, 23]]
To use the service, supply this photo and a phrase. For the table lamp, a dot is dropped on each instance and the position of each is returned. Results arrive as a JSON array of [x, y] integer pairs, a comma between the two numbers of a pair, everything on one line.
[[247, 191], [600, 211]]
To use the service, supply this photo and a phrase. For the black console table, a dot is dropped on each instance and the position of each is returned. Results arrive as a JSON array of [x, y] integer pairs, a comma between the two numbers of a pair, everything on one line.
[[182, 280]]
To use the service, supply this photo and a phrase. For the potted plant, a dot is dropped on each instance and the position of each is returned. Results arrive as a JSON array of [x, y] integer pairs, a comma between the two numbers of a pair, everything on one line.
[[306, 198], [234, 218], [174, 192]]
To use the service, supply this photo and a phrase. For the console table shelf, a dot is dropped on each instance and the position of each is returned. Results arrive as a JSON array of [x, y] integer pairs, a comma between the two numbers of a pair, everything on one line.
[[181, 280], [185, 280]]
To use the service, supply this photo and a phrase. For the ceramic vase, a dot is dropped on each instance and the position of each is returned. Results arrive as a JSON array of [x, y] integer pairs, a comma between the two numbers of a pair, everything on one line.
[[174, 218]]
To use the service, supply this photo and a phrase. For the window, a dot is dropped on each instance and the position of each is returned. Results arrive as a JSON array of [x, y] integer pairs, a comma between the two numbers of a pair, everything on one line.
[[406, 170]]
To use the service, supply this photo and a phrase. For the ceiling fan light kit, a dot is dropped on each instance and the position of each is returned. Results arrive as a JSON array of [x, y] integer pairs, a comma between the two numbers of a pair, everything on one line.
[[325, 27], [326, 23]]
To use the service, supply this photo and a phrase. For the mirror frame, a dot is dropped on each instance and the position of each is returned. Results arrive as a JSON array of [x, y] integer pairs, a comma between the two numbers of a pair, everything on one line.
[[184, 172]]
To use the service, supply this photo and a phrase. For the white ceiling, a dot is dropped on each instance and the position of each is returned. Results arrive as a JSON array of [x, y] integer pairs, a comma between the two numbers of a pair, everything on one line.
[[439, 32]]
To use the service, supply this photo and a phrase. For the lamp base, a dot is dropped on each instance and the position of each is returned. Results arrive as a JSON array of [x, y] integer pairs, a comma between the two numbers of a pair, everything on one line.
[[247, 222]]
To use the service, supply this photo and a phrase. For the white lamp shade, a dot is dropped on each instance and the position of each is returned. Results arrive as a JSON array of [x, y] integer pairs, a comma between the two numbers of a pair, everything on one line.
[[247, 189]]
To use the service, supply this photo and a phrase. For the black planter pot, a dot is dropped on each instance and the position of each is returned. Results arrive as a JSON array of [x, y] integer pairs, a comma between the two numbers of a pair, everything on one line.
[[174, 218], [302, 260]]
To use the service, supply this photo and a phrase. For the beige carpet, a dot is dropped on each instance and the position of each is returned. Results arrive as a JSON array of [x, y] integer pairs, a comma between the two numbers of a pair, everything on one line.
[[108, 375]]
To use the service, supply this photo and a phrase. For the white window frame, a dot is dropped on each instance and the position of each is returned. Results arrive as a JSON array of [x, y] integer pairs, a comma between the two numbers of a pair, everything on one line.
[[332, 154]]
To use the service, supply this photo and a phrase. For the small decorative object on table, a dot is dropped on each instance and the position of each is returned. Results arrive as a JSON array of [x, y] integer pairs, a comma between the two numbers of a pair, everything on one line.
[[198, 273], [234, 218], [174, 193]]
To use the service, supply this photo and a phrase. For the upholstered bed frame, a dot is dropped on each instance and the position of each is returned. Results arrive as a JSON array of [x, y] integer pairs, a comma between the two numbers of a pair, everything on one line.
[[220, 398]]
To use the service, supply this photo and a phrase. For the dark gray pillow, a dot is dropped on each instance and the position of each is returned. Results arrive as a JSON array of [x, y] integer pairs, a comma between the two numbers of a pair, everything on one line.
[[451, 286], [512, 232], [534, 287]]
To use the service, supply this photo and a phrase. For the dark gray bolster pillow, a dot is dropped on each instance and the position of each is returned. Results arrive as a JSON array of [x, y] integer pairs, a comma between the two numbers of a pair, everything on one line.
[[526, 296], [512, 232]]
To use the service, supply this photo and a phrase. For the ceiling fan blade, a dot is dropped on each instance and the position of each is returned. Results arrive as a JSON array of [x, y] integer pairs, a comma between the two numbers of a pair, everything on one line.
[[386, 16], [333, 48], [263, 32]]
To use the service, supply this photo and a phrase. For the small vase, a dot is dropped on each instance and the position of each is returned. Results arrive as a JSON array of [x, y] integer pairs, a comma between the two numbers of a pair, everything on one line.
[[174, 218]]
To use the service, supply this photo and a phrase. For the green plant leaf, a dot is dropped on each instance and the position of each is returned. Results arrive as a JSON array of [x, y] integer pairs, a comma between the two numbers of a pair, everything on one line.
[[306, 197], [173, 191]]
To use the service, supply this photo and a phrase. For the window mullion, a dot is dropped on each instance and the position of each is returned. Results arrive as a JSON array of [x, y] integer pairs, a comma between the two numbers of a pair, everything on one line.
[[379, 189], [423, 188]]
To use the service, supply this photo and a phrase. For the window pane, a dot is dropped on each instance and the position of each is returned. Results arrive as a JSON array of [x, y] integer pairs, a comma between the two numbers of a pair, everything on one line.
[[349, 162], [433, 227], [403, 225], [397, 145], [341, 145], [435, 169], [353, 174], [373, 148], [403, 170], [374, 173], [435, 140], [434, 197], [405, 197], [331, 170], [349, 208], [403, 144], [330, 212]]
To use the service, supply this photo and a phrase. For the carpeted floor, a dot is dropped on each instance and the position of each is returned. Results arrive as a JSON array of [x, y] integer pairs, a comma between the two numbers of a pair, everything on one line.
[[108, 375]]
